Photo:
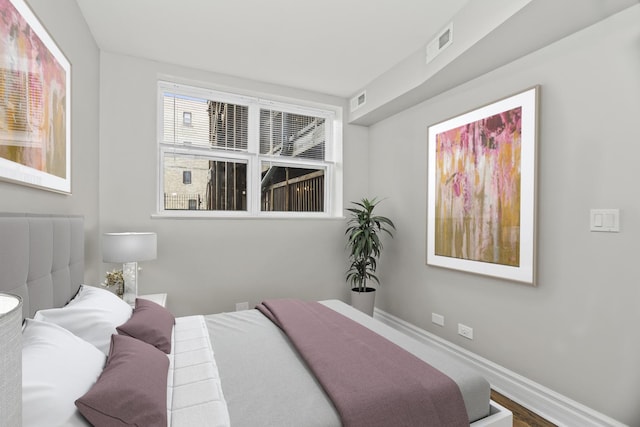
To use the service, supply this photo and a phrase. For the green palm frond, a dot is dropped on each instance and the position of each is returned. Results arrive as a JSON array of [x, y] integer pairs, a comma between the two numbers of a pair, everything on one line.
[[364, 243]]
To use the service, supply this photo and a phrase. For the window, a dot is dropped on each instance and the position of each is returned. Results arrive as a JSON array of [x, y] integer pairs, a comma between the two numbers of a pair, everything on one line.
[[224, 154]]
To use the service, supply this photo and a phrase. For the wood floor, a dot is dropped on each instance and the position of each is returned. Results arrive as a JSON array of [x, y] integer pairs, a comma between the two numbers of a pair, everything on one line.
[[522, 417]]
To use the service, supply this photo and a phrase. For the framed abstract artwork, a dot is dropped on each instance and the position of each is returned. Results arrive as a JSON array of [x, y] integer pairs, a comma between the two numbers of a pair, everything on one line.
[[482, 189], [35, 92]]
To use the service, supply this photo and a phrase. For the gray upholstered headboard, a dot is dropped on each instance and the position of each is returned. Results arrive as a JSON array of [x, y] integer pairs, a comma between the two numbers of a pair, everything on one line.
[[41, 258]]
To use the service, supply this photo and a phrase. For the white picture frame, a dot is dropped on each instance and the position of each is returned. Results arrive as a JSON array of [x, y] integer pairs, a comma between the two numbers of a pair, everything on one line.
[[481, 190], [35, 121]]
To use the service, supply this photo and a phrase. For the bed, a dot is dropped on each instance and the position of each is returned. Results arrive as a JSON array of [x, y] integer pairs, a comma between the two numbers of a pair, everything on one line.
[[83, 349]]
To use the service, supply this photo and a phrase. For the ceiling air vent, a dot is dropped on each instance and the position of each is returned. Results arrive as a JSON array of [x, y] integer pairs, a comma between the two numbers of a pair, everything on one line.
[[358, 101], [442, 41]]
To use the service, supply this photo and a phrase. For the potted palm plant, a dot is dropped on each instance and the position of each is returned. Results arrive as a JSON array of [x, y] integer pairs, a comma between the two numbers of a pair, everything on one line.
[[364, 244]]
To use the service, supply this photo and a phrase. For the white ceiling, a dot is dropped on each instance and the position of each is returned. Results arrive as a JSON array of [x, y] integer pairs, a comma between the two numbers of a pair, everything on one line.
[[328, 46]]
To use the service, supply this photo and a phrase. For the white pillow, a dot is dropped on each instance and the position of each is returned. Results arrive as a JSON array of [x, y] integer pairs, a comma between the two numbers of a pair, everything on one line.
[[93, 315], [57, 368]]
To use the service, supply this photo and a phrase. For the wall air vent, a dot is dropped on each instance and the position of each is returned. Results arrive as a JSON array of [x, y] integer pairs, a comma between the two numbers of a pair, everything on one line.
[[442, 41], [358, 101]]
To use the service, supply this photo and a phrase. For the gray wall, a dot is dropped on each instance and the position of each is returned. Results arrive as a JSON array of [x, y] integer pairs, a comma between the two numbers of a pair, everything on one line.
[[67, 27], [574, 332], [207, 265]]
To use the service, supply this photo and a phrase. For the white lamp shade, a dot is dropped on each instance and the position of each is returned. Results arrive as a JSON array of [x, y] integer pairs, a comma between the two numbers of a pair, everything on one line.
[[10, 360], [129, 247]]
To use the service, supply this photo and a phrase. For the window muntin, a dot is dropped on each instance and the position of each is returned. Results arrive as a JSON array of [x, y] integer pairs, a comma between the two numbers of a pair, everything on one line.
[[268, 149]]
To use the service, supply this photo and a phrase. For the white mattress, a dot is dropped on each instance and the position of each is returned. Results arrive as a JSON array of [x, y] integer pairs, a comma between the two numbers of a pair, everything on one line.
[[194, 393]]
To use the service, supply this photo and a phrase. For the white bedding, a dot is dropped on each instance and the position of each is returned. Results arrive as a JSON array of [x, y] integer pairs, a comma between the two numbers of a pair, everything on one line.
[[267, 384], [255, 389], [194, 392]]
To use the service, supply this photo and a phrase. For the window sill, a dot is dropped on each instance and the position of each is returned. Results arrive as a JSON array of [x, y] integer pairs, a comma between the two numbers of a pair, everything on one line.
[[245, 217]]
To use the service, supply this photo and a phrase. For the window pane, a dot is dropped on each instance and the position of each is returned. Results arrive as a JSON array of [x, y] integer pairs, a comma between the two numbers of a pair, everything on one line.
[[204, 123], [291, 135], [292, 189], [213, 185]]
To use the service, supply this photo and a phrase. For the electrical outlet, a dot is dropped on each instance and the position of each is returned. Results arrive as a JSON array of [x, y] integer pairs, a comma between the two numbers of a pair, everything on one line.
[[242, 306], [438, 319], [465, 331]]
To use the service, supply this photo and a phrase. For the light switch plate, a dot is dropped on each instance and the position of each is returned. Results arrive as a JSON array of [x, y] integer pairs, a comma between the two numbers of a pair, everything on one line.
[[605, 220]]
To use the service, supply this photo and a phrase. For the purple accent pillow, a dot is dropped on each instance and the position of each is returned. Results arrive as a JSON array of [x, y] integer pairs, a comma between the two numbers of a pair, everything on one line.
[[151, 323], [132, 389]]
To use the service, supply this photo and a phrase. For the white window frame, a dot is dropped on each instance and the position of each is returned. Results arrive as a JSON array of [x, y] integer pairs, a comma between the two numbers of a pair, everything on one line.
[[332, 164]]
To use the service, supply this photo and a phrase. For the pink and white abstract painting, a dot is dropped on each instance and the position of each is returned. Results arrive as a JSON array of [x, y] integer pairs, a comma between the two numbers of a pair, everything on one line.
[[34, 107], [481, 189], [478, 190]]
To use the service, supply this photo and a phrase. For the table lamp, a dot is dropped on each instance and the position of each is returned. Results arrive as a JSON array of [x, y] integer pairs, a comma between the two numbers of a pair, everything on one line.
[[128, 249], [10, 360]]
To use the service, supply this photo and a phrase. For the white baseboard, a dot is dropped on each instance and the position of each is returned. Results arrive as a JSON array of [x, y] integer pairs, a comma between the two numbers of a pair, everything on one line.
[[543, 401]]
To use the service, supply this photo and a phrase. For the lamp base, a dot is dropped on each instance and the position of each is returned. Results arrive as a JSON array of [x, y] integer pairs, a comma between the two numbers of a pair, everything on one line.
[[130, 275], [10, 360]]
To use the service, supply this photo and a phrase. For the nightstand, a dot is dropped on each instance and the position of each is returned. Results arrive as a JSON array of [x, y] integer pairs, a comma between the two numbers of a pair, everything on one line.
[[160, 299]]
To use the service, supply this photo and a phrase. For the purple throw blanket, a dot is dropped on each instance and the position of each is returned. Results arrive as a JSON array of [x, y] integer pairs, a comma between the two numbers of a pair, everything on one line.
[[371, 381]]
